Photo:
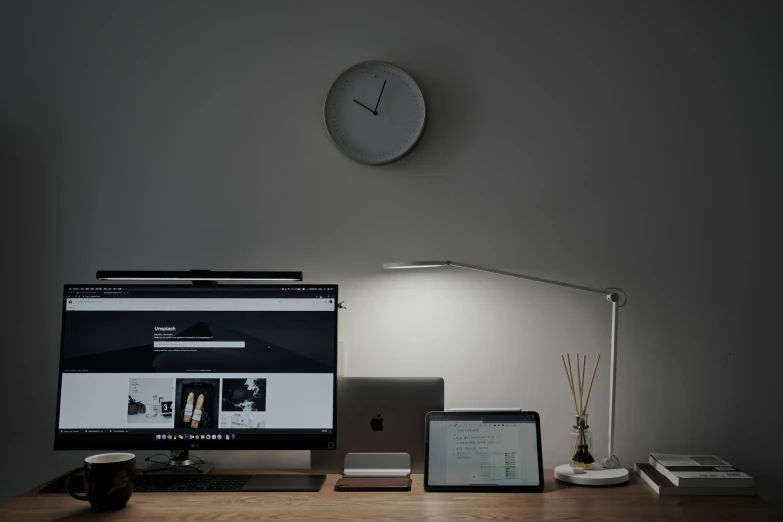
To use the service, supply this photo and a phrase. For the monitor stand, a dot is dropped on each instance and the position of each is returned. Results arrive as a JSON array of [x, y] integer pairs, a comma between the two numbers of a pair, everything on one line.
[[178, 462], [181, 463]]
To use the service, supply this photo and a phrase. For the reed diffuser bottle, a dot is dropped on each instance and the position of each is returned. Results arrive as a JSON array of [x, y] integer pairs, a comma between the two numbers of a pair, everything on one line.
[[581, 442], [581, 439]]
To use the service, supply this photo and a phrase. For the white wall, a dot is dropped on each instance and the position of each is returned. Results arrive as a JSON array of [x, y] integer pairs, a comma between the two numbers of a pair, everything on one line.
[[623, 143]]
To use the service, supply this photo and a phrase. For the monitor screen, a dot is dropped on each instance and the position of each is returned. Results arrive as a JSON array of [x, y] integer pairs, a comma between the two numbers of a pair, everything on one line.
[[185, 367]]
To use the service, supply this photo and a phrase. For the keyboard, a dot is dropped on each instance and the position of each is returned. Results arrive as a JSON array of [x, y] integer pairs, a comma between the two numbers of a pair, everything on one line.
[[160, 483]]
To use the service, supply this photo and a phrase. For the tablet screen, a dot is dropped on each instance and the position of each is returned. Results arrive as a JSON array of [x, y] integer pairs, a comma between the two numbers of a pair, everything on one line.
[[468, 449]]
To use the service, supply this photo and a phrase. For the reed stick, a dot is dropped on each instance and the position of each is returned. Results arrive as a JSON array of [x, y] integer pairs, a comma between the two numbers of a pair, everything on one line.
[[579, 380], [570, 370], [573, 384], [584, 366], [570, 381], [595, 368]]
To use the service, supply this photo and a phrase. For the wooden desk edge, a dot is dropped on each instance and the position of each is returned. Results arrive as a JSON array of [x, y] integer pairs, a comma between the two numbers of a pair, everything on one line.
[[559, 501]]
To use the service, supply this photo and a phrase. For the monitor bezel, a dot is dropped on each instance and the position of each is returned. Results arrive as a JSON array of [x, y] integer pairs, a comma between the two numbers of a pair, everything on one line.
[[275, 442]]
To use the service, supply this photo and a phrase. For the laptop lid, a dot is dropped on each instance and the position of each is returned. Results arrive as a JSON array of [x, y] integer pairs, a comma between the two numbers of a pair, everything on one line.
[[381, 415]]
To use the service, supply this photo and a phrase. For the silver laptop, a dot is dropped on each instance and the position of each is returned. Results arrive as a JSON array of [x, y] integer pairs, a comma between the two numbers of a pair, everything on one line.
[[381, 415]]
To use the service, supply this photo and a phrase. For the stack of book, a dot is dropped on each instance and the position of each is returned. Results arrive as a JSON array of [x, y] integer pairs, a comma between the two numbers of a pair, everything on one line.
[[694, 475]]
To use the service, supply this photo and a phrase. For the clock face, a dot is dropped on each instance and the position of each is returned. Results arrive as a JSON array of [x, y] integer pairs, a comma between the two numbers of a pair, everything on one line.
[[374, 113]]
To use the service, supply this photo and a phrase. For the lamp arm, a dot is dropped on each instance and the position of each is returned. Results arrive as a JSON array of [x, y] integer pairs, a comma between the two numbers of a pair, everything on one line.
[[603, 291]]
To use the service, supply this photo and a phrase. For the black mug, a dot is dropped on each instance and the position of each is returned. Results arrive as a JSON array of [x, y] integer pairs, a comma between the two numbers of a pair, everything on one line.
[[108, 480]]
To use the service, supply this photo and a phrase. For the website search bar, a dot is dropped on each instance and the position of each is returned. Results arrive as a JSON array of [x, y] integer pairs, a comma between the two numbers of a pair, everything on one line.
[[199, 344]]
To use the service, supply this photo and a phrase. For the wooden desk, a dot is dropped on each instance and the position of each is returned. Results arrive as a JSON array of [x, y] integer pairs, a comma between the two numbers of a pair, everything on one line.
[[559, 502]]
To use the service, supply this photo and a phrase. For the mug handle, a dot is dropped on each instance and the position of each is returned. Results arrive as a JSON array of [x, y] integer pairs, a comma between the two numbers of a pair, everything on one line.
[[68, 485]]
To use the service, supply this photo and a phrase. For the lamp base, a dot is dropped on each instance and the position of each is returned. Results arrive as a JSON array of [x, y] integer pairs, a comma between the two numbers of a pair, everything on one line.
[[592, 477]]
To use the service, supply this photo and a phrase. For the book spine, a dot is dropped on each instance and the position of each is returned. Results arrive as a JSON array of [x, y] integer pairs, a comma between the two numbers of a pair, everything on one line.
[[698, 482], [701, 482], [665, 472], [650, 482], [663, 488]]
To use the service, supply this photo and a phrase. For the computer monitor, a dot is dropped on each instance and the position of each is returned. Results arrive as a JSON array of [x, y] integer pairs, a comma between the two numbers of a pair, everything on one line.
[[179, 367]]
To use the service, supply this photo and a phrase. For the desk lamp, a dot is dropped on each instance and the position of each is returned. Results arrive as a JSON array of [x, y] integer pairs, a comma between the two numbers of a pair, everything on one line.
[[612, 472]]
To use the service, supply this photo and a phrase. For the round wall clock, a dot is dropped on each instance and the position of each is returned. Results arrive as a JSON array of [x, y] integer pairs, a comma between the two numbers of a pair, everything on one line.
[[374, 113]]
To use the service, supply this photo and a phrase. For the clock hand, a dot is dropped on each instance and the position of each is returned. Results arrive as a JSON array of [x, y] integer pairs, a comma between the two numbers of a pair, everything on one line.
[[379, 98], [366, 107]]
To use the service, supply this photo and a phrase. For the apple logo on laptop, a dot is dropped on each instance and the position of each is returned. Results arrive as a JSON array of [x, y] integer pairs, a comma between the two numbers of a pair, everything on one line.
[[376, 423]]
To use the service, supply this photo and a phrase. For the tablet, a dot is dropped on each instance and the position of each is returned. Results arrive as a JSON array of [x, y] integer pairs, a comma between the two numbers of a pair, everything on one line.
[[483, 451]]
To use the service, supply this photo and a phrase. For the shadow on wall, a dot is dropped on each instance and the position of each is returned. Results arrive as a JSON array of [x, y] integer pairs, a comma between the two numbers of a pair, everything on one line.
[[449, 117], [28, 208]]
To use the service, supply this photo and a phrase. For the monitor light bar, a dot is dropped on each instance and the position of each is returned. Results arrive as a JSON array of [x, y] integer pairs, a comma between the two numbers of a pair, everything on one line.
[[195, 275]]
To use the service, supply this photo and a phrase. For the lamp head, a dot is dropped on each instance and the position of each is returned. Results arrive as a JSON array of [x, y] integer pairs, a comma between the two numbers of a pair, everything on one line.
[[414, 264]]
